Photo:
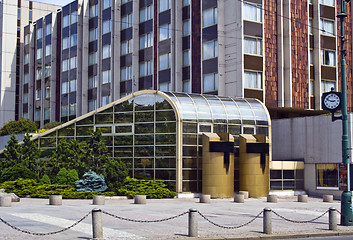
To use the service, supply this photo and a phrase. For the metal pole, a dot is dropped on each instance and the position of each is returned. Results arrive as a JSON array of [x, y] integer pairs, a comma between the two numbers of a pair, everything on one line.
[[346, 199]]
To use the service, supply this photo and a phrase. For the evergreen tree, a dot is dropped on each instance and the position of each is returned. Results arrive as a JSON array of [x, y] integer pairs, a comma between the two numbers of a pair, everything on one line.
[[97, 152], [61, 177], [12, 153], [30, 154], [45, 179], [92, 182]]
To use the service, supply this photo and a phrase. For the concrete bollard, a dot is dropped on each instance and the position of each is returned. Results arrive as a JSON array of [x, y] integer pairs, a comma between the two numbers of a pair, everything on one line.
[[55, 200], [245, 193], [98, 200], [267, 221], [193, 224], [239, 198], [97, 225], [272, 198], [327, 198], [5, 201], [332, 219], [302, 198], [140, 199], [205, 198]]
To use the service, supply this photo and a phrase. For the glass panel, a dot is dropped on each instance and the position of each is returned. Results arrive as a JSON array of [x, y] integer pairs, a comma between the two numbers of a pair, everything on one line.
[[144, 116], [166, 127], [234, 129], [189, 127], [190, 186], [104, 118], [144, 128], [84, 131], [189, 151], [46, 153], [189, 162], [189, 175], [144, 174], [144, 140], [203, 109], [105, 129], [219, 128], [232, 111], [218, 111], [128, 163], [288, 174], [261, 117], [165, 151], [144, 102], [247, 116], [123, 140], [288, 185], [248, 130], [123, 117], [189, 139], [276, 185], [262, 130], [67, 131], [187, 107], [165, 174], [123, 152], [165, 139], [276, 174], [124, 106], [108, 140], [143, 162], [205, 128], [123, 129], [47, 142], [165, 163], [162, 103], [165, 116], [144, 151]]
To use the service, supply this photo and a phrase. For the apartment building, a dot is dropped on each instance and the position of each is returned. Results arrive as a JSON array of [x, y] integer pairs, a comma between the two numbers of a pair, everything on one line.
[[14, 15], [282, 52]]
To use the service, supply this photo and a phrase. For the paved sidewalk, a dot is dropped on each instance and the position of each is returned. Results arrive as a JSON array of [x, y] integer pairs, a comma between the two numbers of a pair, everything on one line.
[[36, 215]]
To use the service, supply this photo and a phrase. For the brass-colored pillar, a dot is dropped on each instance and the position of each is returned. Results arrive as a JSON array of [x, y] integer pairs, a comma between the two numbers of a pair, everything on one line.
[[254, 175], [217, 173]]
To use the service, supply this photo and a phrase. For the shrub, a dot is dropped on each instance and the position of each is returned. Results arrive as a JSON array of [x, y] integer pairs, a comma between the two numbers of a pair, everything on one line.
[[16, 172], [21, 187], [152, 189], [115, 172], [21, 126], [72, 177], [92, 182], [52, 124], [45, 179]]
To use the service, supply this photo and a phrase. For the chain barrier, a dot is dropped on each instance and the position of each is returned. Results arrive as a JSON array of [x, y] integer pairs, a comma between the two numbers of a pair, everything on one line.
[[339, 212], [145, 221], [45, 234], [229, 227], [294, 221]]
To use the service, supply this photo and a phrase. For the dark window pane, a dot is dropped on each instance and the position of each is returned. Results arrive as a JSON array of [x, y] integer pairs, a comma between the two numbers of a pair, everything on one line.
[[123, 129], [166, 174], [144, 140], [123, 152], [47, 142], [165, 139], [288, 174], [165, 116], [144, 151], [165, 151], [84, 131], [86, 121], [67, 131], [144, 128], [189, 139], [165, 162], [123, 140], [123, 117], [104, 118], [276, 174], [166, 127], [144, 117], [143, 162], [189, 127], [124, 106]]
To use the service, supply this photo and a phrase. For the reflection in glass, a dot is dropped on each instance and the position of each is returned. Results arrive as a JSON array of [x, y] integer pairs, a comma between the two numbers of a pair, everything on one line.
[[84, 131], [123, 152], [143, 163], [123, 118], [125, 106], [144, 151], [166, 127], [104, 129], [123, 140], [165, 139], [165, 174], [144, 139], [162, 103], [67, 131], [104, 119], [165, 151], [165, 116], [189, 139], [123, 129], [144, 128], [144, 116], [144, 102], [86, 121], [165, 163]]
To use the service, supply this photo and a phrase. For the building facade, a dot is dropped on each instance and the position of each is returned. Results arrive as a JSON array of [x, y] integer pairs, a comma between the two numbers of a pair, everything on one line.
[[103, 50], [14, 15]]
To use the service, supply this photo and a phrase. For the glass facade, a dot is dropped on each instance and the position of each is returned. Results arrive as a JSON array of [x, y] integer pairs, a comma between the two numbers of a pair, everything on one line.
[[158, 134]]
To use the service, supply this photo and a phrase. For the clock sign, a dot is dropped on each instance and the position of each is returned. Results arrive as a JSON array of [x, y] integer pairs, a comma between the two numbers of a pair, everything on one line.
[[331, 101]]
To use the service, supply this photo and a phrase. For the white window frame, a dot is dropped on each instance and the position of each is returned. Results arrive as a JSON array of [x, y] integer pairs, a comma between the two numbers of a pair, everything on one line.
[[214, 82], [106, 76], [258, 81], [165, 32], [247, 7], [213, 45], [146, 40], [211, 13], [325, 57], [249, 48]]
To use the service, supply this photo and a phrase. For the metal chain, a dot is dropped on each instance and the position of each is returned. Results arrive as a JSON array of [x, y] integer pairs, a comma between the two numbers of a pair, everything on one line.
[[339, 212], [230, 227], [45, 234], [294, 221], [145, 221]]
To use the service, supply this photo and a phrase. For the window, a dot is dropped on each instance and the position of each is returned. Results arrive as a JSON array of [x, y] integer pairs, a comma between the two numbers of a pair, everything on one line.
[[126, 47], [73, 38], [66, 43], [328, 2], [64, 87], [146, 13], [253, 45], [327, 27], [25, 78], [19, 13], [210, 82], [25, 115], [48, 50], [66, 20], [92, 105], [39, 33], [310, 26], [210, 49], [186, 2], [46, 113], [39, 53], [311, 57], [328, 57], [92, 58], [164, 5], [74, 17], [327, 85], [327, 176], [92, 82], [73, 85], [48, 29], [30, 17], [106, 4], [164, 61], [146, 40], [126, 73], [93, 11], [65, 65], [72, 110], [47, 92], [186, 86], [209, 17], [146, 68], [93, 33], [311, 88], [64, 110], [106, 77], [252, 12], [26, 58], [37, 115], [253, 79], [38, 94], [106, 51], [106, 26], [126, 21], [165, 32], [105, 100], [27, 39], [125, 1], [47, 70], [186, 58], [25, 98], [39, 74], [164, 86], [186, 27], [73, 62]]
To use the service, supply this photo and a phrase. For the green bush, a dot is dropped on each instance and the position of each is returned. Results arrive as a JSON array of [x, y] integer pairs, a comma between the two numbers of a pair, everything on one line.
[[61, 177], [92, 182], [45, 179], [152, 189], [115, 172], [21, 187], [16, 172], [51, 125], [21, 126], [72, 177]]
